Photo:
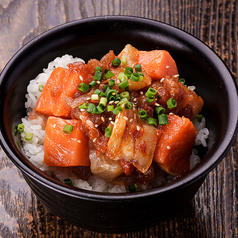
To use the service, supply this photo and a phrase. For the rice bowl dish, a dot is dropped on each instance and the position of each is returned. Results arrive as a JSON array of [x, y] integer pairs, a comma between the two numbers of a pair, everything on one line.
[[34, 149]]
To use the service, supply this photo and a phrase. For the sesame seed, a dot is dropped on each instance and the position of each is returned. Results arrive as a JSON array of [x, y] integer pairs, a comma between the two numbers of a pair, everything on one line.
[[141, 93], [96, 125], [162, 80], [168, 147], [109, 118], [79, 141], [116, 102], [170, 113], [103, 119], [88, 98], [138, 128], [176, 75], [82, 109], [81, 78], [113, 94], [94, 139], [134, 99], [126, 118], [131, 120], [98, 82], [111, 102], [112, 122], [167, 67], [54, 125], [157, 104]]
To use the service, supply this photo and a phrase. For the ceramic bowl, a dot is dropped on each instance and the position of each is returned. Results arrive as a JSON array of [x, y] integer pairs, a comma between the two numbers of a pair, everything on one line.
[[93, 38]]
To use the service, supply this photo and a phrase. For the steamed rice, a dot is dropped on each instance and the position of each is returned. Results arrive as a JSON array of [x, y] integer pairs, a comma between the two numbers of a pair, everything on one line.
[[34, 150]]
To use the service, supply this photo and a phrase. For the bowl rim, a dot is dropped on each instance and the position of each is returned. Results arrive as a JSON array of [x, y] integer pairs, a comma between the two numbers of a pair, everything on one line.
[[193, 176]]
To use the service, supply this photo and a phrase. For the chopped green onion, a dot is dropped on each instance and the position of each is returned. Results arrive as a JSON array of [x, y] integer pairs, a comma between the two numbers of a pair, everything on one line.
[[108, 74], [199, 117], [128, 73], [98, 68], [130, 69], [141, 76], [117, 110], [20, 128], [123, 100], [111, 83], [110, 94], [94, 97], [143, 114], [83, 87], [15, 130], [150, 92], [116, 62], [100, 108], [125, 94], [158, 96], [123, 84], [99, 92], [92, 84], [134, 77], [163, 119], [83, 106], [159, 110], [29, 136], [123, 60], [103, 101], [68, 182], [128, 105], [133, 187], [97, 75], [152, 121], [171, 103], [182, 80], [150, 99], [40, 88], [68, 129], [91, 108], [110, 108], [122, 76], [138, 68], [108, 131]]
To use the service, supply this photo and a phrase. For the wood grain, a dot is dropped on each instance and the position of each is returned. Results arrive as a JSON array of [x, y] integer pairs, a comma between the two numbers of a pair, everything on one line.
[[213, 211]]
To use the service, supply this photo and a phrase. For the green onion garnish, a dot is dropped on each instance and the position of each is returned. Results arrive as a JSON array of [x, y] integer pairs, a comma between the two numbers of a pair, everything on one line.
[[94, 97], [125, 94], [68, 129], [123, 100], [20, 128], [134, 77], [108, 74], [123, 84], [138, 68], [108, 131], [103, 101], [111, 83], [15, 130], [171, 103], [123, 60], [130, 69], [133, 187], [92, 84], [150, 99], [143, 114], [128, 105], [83, 87], [163, 119], [68, 182], [100, 109], [83, 106], [99, 92], [122, 76], [117, 110], [98, 68], [152, 121], [110, 108], [116, 62], [97, 75], [127, 72], [40, 88], [182, 80], [150, 92], [91, 108], [110, 94], [199, 117], [29, 136], [159, 110], [141, 76]]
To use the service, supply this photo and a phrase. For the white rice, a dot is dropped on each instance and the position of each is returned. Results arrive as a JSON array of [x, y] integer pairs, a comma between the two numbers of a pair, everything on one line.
[[34, 150]]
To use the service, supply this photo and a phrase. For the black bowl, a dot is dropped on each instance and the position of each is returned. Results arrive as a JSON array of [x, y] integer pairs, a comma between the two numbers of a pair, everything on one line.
[[93, 38]]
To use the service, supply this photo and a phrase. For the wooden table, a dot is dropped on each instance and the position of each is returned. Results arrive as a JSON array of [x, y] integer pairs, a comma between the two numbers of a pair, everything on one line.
[[213, 211]]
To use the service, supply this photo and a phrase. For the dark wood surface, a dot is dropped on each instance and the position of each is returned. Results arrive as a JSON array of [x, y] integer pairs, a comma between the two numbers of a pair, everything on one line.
[[213, 211]]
